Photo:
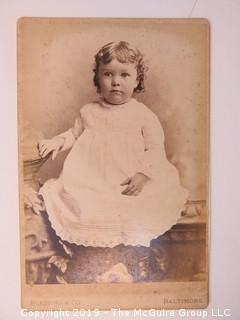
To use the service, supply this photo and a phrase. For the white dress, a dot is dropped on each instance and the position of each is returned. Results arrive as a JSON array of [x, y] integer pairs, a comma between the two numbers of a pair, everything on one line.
[[109, 144]]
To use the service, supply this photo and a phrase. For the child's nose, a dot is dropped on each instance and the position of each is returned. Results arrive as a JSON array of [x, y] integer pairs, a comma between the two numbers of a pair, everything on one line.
[[115, 81]]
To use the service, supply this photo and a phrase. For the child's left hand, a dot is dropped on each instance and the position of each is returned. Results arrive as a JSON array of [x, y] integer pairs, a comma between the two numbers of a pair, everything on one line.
[[134, 184]]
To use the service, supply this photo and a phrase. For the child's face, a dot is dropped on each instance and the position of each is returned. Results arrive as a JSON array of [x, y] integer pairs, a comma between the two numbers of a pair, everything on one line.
[[117, 81]]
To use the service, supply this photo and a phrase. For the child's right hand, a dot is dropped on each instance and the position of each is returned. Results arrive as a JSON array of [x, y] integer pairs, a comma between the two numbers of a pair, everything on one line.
[[53, 145]]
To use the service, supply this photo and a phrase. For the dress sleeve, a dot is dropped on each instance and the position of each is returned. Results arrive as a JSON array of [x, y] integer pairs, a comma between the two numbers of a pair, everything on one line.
[[154, 153], [72, 134]]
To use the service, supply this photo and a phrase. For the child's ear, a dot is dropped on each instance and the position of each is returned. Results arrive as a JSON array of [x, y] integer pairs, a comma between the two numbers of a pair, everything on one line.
[[136, 83]]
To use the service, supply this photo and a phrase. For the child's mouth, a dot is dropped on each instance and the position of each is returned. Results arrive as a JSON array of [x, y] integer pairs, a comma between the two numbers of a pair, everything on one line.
[[116, 91]]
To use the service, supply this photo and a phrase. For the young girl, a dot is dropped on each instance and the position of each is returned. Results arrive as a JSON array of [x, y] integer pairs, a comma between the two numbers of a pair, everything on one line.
[[116, 186]]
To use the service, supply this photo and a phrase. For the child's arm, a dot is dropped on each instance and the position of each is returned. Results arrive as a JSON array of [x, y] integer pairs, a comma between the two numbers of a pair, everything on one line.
[[62, 141], [155, 153], [150, 165]]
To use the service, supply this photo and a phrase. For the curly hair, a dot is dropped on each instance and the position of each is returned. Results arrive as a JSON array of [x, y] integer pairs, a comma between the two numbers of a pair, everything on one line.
[[124, 53]]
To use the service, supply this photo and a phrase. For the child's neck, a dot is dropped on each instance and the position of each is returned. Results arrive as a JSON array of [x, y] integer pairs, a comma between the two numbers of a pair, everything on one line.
[[116, 104]]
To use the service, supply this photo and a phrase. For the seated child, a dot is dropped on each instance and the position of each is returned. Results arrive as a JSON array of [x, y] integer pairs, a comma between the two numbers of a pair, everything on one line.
[[117, 185]]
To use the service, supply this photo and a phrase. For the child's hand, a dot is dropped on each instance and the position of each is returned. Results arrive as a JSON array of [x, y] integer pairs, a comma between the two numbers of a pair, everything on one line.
[[135, 184], [53, 145]]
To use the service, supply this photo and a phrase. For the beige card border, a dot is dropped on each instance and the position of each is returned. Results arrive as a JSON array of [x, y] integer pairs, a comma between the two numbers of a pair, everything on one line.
[[166, 295]]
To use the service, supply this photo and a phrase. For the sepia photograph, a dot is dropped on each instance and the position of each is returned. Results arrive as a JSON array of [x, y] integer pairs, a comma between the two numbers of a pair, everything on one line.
[[113, 126]]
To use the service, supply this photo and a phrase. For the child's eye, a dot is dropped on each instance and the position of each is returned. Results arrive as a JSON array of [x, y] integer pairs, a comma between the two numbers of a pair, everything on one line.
[[107, 74], [125, 75]]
